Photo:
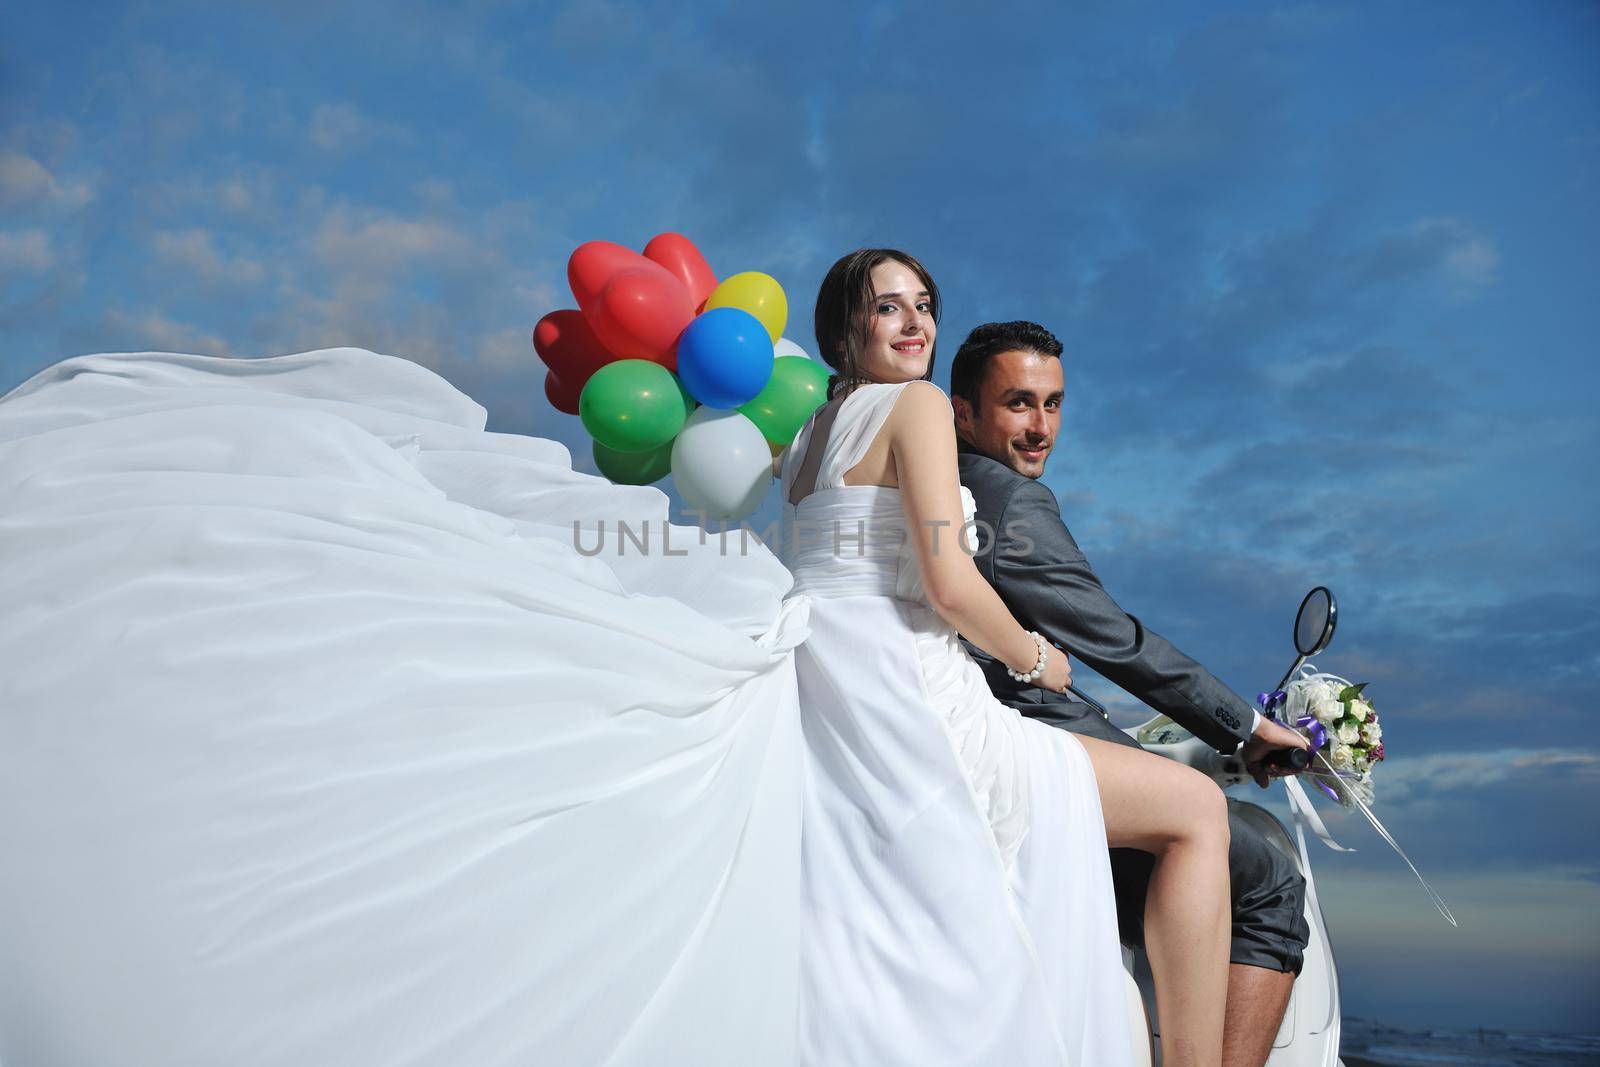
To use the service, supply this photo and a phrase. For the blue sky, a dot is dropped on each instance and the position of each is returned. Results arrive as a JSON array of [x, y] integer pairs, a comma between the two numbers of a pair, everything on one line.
[[1325, 275]]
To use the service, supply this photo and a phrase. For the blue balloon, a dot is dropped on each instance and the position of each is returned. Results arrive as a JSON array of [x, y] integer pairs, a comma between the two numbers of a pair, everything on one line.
[[725, 357]]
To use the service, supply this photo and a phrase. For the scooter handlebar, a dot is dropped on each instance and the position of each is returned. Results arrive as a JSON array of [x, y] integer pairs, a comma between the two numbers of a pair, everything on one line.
[[1294, 759]]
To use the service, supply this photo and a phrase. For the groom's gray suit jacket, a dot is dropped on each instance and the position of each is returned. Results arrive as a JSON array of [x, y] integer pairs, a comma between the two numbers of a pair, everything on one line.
[[1039, 571]]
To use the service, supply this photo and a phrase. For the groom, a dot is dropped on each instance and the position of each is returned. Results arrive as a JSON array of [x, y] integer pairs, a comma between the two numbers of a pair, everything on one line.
[[1006, 388]]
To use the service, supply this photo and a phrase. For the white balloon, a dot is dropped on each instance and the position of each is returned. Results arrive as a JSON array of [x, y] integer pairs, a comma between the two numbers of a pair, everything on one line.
[[786, 347], [721, 463]]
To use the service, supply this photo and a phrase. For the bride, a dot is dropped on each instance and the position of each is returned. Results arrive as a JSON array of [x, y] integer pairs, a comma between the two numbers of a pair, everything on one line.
[[955, 885]]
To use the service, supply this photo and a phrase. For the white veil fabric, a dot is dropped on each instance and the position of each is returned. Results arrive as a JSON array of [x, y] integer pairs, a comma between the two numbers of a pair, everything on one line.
[[323, 740]]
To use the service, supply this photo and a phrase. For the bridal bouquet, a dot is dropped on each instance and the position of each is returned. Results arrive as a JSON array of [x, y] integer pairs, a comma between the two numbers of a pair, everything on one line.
[[1342, 725], [1346, 743]]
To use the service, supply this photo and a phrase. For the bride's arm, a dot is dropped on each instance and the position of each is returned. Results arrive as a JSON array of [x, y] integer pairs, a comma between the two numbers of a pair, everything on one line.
[[922, 440]]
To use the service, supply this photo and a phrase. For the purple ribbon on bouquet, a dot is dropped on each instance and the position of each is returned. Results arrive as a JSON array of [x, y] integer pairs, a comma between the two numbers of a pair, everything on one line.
[[1273, 702], [1318, 734]]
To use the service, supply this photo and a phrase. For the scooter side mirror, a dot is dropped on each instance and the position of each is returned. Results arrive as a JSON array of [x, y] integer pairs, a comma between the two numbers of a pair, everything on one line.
[[1313, 625]]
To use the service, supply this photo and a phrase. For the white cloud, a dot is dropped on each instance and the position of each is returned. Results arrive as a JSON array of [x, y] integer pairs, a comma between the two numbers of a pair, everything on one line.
[[339, 127], [24, 181], [509, 348], [248, 192], [236, 196], [434, 193], [1467, 258], [1516, 100], [386, 243], [194, 251], [164, 335], [26, 251], [1426, 776], [1473, 263], [355, 287]]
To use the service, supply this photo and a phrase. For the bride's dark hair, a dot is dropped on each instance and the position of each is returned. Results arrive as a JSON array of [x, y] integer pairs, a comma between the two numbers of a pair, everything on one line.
[[844, 311]]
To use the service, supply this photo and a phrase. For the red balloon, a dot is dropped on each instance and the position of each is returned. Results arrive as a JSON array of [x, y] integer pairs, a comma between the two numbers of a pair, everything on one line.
[[567, 344], [562, 396], [679, 255], [640, 314], [594, 263]]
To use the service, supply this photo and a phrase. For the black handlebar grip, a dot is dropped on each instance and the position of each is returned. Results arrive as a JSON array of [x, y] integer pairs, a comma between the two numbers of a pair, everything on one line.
[[1295, 759]]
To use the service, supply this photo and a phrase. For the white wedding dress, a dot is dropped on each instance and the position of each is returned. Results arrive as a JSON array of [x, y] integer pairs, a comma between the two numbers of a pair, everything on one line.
[[321, 742], [956, 888]]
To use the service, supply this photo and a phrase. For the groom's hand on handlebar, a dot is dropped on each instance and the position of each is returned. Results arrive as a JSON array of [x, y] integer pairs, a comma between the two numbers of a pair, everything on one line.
[[1269, 737]]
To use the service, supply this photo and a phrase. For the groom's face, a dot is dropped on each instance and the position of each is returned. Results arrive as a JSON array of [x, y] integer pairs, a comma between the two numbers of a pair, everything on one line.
[[1018, 412]]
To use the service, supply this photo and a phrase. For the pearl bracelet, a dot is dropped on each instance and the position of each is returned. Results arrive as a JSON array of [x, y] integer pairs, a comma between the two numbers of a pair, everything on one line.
[[1038, 668]]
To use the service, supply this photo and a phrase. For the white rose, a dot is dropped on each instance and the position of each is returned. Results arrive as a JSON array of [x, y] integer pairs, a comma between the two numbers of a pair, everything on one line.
[[1347, 732], [1360, 709], [1343, 759], [1327, 710], [1371, 732]]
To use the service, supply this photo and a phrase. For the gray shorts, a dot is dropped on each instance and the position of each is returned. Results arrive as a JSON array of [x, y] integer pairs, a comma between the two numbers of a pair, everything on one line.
[[1269, 895]]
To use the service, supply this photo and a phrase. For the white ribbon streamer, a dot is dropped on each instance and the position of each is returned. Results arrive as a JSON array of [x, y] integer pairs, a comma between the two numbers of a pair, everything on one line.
[[1305, 814], [1383, 832]]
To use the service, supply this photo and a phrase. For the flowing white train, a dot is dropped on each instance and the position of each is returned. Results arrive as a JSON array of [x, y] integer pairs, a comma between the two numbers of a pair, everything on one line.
[[321, 744]]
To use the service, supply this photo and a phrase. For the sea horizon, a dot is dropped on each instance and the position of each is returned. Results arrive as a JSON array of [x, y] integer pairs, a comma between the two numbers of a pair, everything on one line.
[[1366, 1042]]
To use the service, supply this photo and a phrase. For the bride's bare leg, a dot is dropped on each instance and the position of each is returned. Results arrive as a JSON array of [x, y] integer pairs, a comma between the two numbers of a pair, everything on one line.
[[1180, 817]]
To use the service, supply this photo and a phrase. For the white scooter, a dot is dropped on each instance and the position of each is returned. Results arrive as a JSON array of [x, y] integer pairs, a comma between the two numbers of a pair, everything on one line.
[[1309, 1034]]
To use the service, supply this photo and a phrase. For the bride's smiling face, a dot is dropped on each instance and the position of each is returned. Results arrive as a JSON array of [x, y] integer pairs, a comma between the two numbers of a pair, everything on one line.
[[900, 326]]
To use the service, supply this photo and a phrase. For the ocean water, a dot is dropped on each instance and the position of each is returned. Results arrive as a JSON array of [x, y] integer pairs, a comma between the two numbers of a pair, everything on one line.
[[1394, 1047]]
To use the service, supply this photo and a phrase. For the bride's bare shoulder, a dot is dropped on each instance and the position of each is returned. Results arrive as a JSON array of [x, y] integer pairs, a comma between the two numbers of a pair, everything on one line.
[[921, 403], [921, 413]]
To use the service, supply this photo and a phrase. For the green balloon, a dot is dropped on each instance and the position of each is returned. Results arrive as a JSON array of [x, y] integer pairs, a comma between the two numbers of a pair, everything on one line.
[[633, 468], [632, 405], [689, 402], [798, 387]]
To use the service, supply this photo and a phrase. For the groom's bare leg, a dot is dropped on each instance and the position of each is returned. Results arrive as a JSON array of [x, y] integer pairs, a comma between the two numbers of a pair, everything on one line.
[[1257, 997]]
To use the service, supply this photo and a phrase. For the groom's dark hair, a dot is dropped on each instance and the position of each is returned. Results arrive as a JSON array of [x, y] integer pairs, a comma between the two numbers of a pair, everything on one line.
[[971, 364]]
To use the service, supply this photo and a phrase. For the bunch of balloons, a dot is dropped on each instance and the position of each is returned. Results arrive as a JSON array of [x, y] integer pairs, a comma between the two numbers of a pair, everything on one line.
[[671, 370]]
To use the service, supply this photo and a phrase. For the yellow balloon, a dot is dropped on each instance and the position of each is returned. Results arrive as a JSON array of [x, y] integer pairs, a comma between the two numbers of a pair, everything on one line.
[[759, 294]]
